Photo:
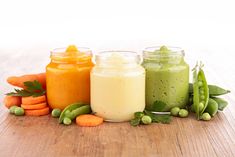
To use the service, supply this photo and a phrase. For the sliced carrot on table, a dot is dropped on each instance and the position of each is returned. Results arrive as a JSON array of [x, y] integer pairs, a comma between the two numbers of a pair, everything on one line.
[[33, 100], [40, 112], [34, 107], [89, 120], [12, 101]]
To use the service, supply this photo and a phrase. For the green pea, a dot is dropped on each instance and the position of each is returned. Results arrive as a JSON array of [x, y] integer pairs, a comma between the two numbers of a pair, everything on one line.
[[206, 116], [202, 97], [212, 107], [183, 113], [200, 83], [19, 111], [67, 121], [201, 106], [56, 113], [175, 111], [202, 88], [146, 119], [12, 109], [138, 114], [202, 91]]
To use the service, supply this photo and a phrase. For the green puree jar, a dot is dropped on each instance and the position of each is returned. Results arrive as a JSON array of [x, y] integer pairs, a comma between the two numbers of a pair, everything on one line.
[[167, 76]]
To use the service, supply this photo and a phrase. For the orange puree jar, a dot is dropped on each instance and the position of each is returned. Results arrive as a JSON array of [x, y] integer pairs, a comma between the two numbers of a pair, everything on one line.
[[68, 76]]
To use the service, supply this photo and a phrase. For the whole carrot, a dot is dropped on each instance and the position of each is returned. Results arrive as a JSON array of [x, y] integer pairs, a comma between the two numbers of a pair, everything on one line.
[[19, 80]]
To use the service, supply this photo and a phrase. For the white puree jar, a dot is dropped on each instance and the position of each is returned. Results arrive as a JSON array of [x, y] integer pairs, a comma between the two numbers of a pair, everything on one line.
[[117, 85]]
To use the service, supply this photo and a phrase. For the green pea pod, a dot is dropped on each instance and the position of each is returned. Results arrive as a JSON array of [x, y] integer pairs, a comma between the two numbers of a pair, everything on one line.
[[86, 109], [213, 90], [221, 103], [216, 90], [196, 93], [212, 107], [206, 90], [70, 108]]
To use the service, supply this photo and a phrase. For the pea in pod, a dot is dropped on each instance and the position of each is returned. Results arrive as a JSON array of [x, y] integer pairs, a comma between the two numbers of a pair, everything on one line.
[[221, 103], [69, 108]]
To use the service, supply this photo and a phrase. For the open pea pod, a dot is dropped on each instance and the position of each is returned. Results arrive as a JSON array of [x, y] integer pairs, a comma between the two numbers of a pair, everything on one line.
[[200, 91], [204, 96], [69, 109], [195, 93]]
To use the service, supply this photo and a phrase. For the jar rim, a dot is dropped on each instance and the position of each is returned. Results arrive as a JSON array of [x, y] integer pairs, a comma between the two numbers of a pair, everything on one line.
[[59, 55], [128, 53], [61, 52], [149, 52], [128, 56]]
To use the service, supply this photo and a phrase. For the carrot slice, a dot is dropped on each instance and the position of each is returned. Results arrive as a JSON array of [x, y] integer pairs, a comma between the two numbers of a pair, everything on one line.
[[89, 120], [33, 100], [40, 112], [12, 101], [34, 107]]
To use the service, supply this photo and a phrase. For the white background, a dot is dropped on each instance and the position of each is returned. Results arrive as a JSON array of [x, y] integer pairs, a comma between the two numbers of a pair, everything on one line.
[[204, 28], [121, 24]]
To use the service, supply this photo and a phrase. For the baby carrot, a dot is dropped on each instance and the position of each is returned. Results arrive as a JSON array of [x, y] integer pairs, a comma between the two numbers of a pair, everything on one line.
[[19, 80], [33, 100], [34, 107], [40, 112], [89, 120], [12, 101]]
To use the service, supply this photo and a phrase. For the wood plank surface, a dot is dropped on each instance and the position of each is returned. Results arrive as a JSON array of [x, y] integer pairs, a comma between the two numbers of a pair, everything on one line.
[[43, 136]]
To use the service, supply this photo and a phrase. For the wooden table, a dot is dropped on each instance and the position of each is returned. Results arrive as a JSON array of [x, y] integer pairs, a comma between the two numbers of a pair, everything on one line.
[[43, 136]]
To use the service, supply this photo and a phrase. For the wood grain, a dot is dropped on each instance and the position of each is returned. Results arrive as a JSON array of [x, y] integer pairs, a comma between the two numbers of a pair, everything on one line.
[[43, 136]]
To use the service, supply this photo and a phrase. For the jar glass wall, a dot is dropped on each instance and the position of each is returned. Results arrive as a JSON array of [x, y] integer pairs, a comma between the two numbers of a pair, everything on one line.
[[167, 76], [68, 76], [117, 85]]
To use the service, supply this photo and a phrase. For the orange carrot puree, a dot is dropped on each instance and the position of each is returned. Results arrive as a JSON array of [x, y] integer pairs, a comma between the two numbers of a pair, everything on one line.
[[68, 76]]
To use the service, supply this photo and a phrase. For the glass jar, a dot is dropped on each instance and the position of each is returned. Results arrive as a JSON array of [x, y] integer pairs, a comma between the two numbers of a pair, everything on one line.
[[117, 85], [167, 76], [68, 76]]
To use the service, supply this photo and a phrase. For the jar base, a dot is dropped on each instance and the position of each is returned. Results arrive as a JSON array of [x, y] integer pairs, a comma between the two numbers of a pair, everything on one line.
[[115, 121]]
